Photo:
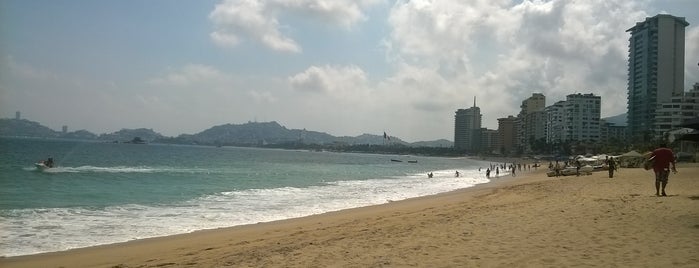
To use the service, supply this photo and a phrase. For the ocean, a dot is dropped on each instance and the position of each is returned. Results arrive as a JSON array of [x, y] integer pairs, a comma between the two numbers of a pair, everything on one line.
[[103, 193]]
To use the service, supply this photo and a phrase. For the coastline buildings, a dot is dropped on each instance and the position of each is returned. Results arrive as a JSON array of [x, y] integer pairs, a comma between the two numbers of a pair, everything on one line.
[[581, 117], [612, 133], [656, 70], [490, 140], [575, 119], [507, 134], [531, 121], [656, 105], [554, 122], [669, 115], [467, 128]]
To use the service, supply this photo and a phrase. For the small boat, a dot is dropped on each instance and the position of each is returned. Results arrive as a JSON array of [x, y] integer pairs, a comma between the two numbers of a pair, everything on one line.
[[412, 161], [396, 160]]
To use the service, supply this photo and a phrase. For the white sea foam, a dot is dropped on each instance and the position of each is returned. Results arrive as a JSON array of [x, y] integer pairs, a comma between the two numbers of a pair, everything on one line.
[[29, 231], [120, 169]]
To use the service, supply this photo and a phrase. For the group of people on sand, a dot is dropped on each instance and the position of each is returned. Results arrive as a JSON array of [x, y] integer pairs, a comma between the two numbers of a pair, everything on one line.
[[513, 168], [661, 160]]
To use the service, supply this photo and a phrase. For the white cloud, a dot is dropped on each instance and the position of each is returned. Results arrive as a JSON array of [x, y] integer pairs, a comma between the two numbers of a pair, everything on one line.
[[251, 19], [503, 52], [258, 20], [345, 13], [440, 55], [332, 80]]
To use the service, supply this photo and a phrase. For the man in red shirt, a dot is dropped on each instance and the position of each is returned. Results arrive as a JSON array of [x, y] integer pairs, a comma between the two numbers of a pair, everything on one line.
[[662, 158]]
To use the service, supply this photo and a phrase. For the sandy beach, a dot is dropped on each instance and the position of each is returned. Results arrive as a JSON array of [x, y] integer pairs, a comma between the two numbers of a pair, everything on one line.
[[527, 221]]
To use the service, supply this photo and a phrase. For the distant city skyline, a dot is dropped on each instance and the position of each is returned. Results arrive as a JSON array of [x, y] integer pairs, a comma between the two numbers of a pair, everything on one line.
[[343, 67]]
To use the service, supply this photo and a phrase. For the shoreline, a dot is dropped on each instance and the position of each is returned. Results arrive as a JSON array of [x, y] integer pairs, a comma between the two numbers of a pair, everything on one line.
[[59, 229], [491, 181], [510, 220]]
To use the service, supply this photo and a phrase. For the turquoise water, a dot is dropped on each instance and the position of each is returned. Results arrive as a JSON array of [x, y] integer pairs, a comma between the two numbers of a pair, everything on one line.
[[102, 193]]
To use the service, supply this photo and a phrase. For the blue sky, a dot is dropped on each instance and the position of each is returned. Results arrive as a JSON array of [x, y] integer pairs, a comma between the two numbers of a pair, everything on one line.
[[343, 67]]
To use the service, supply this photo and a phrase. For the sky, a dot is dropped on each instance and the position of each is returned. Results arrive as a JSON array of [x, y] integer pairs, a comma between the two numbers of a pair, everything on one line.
[[344, 67]]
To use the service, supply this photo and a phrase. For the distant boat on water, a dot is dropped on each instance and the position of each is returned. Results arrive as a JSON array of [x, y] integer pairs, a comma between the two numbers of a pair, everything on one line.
[[400, 161]]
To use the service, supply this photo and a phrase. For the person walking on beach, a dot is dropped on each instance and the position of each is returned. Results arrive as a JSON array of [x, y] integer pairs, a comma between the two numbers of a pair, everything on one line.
[[611, 166], [662, 157], [577, 167]]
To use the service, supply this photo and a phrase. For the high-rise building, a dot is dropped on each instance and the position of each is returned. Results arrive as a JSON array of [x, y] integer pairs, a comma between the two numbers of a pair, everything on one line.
[[18, 115], [535, 103], [532, 121], [611, 133], [467, 127], [490, 140], [575, 119], [507, 131], [655, 70], [554, 122], [669, 115], [582, 117]]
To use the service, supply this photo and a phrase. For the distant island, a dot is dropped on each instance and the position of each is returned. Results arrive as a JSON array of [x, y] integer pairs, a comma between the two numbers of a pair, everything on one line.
[[251, 134]]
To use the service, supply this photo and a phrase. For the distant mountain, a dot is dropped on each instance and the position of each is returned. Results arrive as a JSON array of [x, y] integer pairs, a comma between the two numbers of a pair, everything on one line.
[[26, 128], [245, 134], [254, 134], [127, 135], [619, 120], [80, 135], [371, 139], [248, 134]]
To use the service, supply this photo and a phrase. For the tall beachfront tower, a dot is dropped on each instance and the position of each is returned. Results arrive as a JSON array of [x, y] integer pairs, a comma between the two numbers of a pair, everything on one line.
[[656, 70], [467, 126], [532, 121]]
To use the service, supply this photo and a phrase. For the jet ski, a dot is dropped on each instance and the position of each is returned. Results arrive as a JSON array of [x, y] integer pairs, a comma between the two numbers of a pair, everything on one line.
[[44, 164]]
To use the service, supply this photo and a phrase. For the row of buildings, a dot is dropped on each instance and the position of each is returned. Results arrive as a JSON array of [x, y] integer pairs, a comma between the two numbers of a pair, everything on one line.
[[575, 119], [657, 102]]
